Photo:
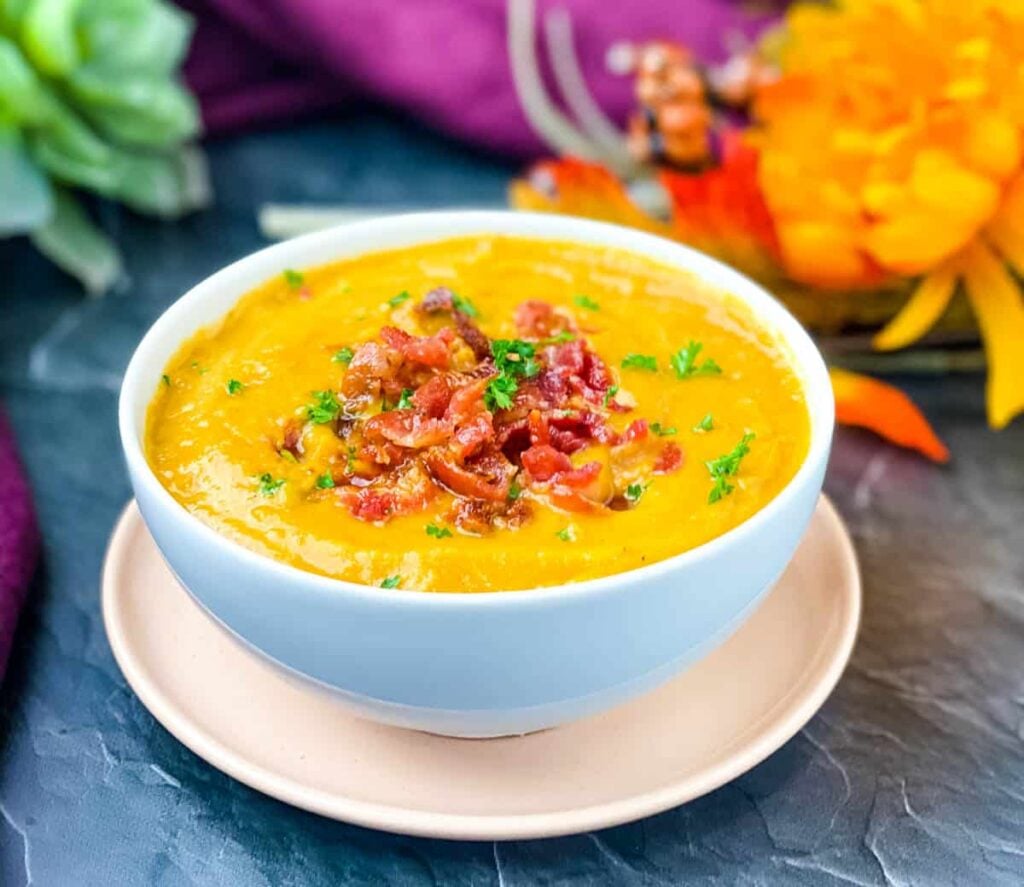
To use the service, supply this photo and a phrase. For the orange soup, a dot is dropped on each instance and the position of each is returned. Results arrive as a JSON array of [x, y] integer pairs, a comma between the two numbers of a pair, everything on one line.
[[479, 414]]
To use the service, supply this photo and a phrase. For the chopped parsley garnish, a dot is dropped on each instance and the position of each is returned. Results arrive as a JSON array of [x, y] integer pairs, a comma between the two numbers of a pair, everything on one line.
[[705, 424], [461, 303], [199, 369], [661, 430], [436, 532], [514, 491], [343, 355], [646, 362], [395, 301], [350, 459], [559, 338], [684, 362], [405, 401], [269, 486], [325, 481], [514, 360], [635, 491], [288, 456], [325, 408], [391, 582], [609, 395], [166, 380], [294, 279], [724, 467], [586, 302], [568, 534], [234, 387]]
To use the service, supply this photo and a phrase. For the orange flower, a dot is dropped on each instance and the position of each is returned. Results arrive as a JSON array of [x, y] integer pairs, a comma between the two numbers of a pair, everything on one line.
[[893, 147]]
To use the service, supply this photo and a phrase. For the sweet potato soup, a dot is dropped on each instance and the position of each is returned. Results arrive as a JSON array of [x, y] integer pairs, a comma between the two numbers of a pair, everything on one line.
[[478, 414]]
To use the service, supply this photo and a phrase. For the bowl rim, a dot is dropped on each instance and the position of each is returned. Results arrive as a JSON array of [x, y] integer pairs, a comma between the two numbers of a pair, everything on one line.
[[433, 226]]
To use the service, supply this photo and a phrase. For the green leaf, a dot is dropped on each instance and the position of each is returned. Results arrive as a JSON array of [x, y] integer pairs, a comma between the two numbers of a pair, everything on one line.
[[128, 35], [168, 187], [26, 199], [72, 153], [143, 111], [71, 241], [23, 96], [48, 35]]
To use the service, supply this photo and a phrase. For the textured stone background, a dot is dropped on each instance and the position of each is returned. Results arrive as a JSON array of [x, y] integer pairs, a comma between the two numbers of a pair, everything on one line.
[[912, 773]]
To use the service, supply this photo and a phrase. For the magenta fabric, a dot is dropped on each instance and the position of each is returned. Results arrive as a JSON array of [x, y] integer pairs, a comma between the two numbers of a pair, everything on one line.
[[445, 61], [19, 539]]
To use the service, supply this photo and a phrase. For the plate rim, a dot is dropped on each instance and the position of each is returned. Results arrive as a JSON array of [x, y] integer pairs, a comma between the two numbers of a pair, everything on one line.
[[485, 827]]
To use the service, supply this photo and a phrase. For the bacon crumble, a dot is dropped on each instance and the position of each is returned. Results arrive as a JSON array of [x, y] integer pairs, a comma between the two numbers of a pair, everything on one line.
[[399, 459]]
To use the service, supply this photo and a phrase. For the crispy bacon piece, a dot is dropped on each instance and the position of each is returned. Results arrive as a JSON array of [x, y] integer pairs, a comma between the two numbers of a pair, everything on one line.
[[447, 438], [488, 478], [432, 398], [439, 300], [539, 320], [472, 336], [432, 351], [409, 491], [479, 517], [671, 458], [407, 428]]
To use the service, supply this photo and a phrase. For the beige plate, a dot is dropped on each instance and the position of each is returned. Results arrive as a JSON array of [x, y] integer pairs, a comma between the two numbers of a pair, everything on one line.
[[715, 721]]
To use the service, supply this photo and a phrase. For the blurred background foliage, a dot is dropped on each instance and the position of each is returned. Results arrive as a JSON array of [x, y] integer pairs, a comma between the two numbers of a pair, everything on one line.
[[90, 100]]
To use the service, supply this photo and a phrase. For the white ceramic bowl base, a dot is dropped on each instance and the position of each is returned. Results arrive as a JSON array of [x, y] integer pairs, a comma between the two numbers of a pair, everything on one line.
[[722, 716], [489, 664]]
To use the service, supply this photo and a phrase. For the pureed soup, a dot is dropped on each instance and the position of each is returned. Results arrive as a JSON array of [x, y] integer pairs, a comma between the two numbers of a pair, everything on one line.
[[479, 414]]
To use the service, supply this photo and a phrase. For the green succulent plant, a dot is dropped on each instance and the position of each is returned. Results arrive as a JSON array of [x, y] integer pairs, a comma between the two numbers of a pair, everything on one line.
[[90, 99]]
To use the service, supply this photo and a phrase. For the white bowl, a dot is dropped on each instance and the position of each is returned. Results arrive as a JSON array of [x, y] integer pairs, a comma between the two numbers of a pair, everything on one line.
[[494, 663]]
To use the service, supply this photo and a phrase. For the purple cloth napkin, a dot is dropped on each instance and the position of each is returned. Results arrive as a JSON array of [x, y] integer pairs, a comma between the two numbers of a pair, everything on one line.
[[19, 539], [443, 60]]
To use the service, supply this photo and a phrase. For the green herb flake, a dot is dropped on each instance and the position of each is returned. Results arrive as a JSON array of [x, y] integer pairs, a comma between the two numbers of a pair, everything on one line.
[[288, 456], [609, 395], [684, 362], [705, 424], [461, 303], [724, 467], [199, 369], [391, 582], [586, 302], [513, 359], [405, 401], [350, 459], [662, 430], [634, 492], [325, 481], [294, 279], [343, 355], [268, 485], [646, 362], [568, 534], [560, 338], [514, 491], [436, 532], [234, 387], [395, 301], [166, 380], [324, 409]]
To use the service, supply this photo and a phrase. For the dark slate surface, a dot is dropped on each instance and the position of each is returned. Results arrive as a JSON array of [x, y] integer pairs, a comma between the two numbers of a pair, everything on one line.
[[913, 773]]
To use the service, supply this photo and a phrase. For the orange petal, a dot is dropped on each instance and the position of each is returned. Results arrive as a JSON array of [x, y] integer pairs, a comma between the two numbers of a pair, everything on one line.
[[922, 310], [869, 403], [999, 306]]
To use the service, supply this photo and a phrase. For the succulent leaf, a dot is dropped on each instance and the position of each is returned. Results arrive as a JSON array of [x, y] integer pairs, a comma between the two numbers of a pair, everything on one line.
[[26, 199], [90, 99], [72, 242]]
